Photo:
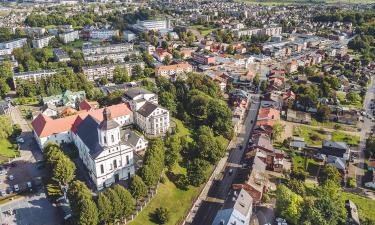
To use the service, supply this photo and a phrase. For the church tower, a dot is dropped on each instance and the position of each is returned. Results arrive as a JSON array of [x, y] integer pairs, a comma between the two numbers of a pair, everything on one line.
[[108, 130]]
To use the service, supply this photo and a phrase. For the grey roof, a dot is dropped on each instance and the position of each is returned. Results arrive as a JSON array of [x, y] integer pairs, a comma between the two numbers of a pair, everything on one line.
[[147, 109], [133, 92], [335, 144], [108, 124], [241, 201], [49, 106], [131, 138], [88, 132]]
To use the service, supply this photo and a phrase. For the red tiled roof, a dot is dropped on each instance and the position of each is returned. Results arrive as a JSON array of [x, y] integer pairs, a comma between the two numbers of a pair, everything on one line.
[[44, 126], [85, 105]]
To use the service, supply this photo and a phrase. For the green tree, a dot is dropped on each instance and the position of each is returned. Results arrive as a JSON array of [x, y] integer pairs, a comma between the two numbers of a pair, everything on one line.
[[161, 215], [120, 75], [256, 80], [167, 60], [116, 212], [128, 202], [207, 146], [137, 187], [288, 204], [168, 100], [64, 170], [173, 149], [104, 208], [84, 210], [370, 147], [4, 88], [197, 171], [278, 130], [103, 81], [6, 128], [353, 97], [329, 173], [323, 113]]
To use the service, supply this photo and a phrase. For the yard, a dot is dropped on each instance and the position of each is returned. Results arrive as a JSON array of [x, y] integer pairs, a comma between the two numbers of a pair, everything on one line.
[[312, 165], [341, 96], [312, 136], [365, 206], [352, 140]]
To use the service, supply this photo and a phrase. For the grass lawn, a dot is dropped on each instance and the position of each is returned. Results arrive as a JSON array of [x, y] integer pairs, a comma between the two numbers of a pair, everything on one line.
[[76, 44], [6, 149], [365, 206], [177, 201], [344, 137], [312, 136], [333, 125], [202, 29]]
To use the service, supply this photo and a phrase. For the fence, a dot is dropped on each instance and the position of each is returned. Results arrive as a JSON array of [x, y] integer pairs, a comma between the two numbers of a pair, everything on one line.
[[141, 205]]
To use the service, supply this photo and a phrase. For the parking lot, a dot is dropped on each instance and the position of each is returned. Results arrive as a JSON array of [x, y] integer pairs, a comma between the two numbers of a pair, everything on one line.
[[30, 210]]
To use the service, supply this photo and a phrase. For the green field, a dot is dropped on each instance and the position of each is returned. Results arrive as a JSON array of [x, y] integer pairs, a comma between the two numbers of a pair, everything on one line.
[[202, 29], [344, 137], [7, 150], [312, 136], [365, 206]]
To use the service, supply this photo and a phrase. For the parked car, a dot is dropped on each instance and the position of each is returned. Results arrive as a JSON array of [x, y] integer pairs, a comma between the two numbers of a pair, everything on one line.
[[3, 193], [16, 188], [230, 172], [29, 185], [20, 140], [11, 177]]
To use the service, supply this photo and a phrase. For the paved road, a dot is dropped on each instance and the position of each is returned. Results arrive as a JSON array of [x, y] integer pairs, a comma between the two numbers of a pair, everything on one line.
[[365, 131], [33, 209], [221, 186]]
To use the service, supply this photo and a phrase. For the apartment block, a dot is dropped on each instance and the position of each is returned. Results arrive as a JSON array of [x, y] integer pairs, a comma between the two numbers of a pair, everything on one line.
[[41, 42], [17, 43], [69, 36], [96, 72]]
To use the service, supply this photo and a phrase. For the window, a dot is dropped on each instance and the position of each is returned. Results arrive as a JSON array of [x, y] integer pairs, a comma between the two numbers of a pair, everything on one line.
[[101, 168], [127, 160], [112, 138], [115, 164], [105, 140]]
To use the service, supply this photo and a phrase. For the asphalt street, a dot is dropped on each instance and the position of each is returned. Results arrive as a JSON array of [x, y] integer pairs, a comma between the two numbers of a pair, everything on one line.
[[221, 186]]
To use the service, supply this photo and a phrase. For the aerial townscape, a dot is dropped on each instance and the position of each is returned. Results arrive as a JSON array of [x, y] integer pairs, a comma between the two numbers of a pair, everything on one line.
[[187, 112]]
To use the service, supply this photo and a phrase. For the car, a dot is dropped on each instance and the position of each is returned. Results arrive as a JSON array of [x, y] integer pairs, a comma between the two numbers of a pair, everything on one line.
[[16, 188], [20, 140], [11, 177], [3, 193], [8, 99], [230, 172], [29, 185]]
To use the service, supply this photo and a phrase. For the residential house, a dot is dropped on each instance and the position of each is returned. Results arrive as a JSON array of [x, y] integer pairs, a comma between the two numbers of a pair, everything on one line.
[[268, 116], [237, 209], [298, 117], [339, 149], [272, 99], [68, 98], [50, 110]]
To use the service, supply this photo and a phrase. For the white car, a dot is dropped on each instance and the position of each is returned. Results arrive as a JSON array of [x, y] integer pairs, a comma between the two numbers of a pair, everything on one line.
[[20, 140], [29, 185], [16, 188], [11, 177]]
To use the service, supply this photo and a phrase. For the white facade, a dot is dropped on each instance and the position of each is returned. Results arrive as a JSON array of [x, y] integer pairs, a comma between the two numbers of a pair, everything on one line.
[[5, 51], [41, 42], [32, 75], [129, 36], [96, 72], [155, 123], [17, 43], [103, 34], [69, 36], [91, 50], [147, 25]]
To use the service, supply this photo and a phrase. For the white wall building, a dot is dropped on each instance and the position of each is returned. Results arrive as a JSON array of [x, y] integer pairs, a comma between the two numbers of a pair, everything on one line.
[[147, 25], [41, 42], [103, 34], [17, 43], [69, 36], [34, 75], [96, 72]]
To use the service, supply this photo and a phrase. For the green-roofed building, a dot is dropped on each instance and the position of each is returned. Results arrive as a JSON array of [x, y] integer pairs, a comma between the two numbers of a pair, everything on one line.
[[68, 98]]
